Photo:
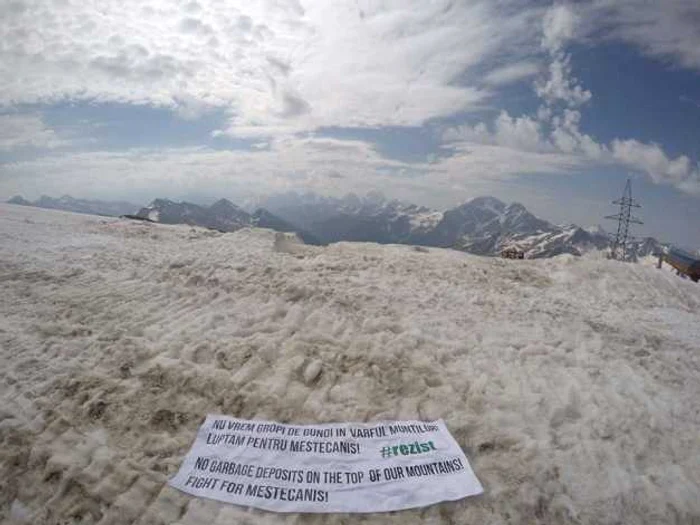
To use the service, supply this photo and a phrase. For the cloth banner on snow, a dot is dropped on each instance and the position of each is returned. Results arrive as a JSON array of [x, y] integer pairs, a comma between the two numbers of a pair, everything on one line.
[[340, 467]]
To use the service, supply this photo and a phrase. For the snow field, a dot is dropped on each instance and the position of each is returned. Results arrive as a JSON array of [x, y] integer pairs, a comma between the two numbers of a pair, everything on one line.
[[572, 384]]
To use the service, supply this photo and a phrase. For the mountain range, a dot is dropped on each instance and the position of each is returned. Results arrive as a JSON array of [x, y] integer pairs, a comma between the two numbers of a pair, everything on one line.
[[68, 203], [482, 226], [223, 215]]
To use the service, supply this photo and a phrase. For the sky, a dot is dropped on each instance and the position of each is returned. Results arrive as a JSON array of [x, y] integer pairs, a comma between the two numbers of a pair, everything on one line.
[[551, 104]]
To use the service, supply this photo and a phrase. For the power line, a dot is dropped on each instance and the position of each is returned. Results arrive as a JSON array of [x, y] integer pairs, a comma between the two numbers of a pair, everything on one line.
[[620, 247]]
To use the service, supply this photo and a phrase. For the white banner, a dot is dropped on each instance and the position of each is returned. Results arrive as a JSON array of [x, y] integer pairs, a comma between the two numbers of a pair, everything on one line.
[[339, 467]]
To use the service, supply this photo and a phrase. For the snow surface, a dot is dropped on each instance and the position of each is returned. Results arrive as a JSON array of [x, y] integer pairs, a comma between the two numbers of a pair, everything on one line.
[[573, 384]]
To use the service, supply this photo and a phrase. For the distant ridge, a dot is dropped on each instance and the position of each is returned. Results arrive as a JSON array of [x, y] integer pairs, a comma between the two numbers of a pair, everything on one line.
[[223, 215], [68, 203], [483, 226]]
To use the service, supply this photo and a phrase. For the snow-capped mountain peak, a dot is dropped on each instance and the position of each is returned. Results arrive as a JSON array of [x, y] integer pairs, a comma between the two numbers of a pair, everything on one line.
[[487, 203]]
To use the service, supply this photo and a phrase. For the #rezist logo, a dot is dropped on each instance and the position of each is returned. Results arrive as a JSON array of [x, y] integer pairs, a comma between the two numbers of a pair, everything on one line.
[[407, 449]]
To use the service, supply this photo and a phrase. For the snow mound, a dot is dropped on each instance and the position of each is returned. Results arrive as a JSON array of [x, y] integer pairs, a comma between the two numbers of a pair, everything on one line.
[[573, 384], [288, 243]]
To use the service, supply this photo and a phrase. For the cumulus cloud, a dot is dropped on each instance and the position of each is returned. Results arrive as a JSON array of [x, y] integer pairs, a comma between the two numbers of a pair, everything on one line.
[[558, 28], [560, 85], [556, 126], [561, 24], [523, 144], [547, 134], [568, 138], [651, 159], [517, 133], [27, 130]]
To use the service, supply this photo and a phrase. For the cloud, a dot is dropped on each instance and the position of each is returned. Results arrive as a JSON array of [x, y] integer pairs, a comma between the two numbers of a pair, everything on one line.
[[690, 101], [555, 130], [326, 165], [562, 24], [27, 131], [651, 159], [484, 163], [285, 164], [568, 138], [523, 145], [275, 66], [558, 28], [561, 86], [667, 30], [516, 133], [559, 25], [481, 157], [511, 73], [282, 69], [549, 134]]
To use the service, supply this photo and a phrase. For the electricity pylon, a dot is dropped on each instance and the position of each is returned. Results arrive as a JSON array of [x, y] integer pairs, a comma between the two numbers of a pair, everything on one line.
[[620, 247]]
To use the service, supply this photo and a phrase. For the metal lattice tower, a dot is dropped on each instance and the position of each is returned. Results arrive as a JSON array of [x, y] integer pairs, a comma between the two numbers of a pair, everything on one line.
[[624, 218]]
